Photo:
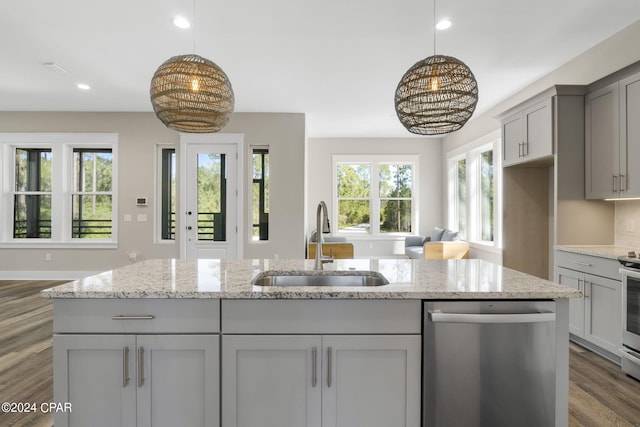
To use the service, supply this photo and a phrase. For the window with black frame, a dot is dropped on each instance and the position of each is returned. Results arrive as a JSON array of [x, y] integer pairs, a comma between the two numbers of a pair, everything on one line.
[[260, 194]]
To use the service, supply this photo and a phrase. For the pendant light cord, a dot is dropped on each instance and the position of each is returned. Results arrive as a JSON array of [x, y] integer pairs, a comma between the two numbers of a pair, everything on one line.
[[194, 26], [434, 27]]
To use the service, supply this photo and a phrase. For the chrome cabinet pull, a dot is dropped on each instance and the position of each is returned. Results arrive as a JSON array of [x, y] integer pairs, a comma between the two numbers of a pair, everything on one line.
[[314, 360], [615, 186], [140, 366], [329, 367], [520, 149], [525, 149], [142, 317], [586, 264], [125, 367], [623, 182]]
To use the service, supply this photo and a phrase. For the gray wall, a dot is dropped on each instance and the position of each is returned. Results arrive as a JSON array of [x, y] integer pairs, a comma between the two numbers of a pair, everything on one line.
[[139, 133], [319, 176]]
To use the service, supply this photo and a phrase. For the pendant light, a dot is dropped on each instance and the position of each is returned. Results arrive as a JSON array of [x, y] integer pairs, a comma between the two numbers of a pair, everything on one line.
[[192, 94], [437, 95]]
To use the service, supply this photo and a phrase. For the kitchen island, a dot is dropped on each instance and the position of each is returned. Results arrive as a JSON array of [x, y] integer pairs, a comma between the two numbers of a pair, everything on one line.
[[195, 342]]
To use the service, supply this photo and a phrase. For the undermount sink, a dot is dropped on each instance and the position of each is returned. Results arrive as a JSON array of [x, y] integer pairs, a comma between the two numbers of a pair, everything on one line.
[[320, 278]]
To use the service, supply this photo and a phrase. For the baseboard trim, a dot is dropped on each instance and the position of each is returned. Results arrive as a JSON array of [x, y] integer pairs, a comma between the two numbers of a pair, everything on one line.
[[45, 275]]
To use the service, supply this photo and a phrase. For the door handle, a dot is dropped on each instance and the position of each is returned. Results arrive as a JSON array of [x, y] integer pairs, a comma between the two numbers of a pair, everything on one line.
[[140, 366], [440, 317], [314, 363], [125, 367], [189, 227], [329, 351]]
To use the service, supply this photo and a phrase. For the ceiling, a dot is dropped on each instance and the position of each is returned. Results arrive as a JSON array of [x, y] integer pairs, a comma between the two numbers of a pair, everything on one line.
[[338, 61]]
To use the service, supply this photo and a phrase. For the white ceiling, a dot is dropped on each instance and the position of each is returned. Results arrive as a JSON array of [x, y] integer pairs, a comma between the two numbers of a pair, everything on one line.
[[338, 61]]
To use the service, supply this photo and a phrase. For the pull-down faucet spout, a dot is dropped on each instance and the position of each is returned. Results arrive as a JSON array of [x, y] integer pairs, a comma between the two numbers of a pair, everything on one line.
[[321, 227]]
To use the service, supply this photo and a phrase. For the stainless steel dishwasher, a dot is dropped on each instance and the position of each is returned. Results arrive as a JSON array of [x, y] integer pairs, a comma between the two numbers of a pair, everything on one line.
[[489, 363]]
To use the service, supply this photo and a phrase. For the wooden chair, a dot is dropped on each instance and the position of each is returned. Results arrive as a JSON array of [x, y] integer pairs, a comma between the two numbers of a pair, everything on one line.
[[335, 250]]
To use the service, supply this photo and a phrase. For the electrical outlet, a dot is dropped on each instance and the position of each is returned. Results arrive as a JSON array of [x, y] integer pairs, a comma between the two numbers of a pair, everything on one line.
[[631, 225], [47, 257]]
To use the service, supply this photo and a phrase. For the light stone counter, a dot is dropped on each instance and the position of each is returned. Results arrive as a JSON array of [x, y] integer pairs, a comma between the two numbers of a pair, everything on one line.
[[231, 279], [603, 251]]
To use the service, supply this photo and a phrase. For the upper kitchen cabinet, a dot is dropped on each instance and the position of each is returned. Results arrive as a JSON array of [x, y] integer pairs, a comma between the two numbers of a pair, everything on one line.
[[612, 140], [527, 133]]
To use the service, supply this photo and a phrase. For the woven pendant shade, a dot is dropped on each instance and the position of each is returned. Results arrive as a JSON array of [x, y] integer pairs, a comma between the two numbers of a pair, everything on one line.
[[192, 94], [436, 96]]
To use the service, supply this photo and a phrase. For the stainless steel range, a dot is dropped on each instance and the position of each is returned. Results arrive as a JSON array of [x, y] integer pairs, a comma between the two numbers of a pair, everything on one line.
[[630, 314]]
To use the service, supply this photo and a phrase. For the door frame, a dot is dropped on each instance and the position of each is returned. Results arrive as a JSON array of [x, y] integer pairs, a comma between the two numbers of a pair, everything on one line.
[[189, 139]]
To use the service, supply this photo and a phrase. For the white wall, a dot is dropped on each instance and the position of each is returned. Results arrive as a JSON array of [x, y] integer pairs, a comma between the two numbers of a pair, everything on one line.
[[139, 133], [319, 182]]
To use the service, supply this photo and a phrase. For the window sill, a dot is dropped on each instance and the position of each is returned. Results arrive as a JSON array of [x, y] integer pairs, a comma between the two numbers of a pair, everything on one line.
[[58, 245], [486, 246]]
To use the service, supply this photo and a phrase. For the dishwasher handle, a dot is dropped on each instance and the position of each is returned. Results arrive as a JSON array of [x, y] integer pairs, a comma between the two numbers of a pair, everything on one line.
[[438, 316]]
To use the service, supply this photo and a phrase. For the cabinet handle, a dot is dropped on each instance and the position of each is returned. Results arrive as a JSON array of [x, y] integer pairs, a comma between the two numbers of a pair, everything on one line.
[[140, 366], [329, 351], [615, 186], [623, 182], [586, 295], [314, 364], [125, 367], [525, 149], [142, 317], [586, 264], [519, 149]]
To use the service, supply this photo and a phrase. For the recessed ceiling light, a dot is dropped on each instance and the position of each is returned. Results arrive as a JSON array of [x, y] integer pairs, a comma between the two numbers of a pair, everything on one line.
[[443, 24], [83, 86], [181, 22]]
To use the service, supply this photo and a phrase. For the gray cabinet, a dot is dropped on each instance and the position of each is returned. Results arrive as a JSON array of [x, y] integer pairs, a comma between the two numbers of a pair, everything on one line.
[[115, 372], [612, 144], [309, 373], [596, 318], [527, 134], [328, 380]]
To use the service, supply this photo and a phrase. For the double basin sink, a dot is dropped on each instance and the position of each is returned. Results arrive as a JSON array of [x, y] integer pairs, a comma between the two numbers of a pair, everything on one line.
[[320, 278]]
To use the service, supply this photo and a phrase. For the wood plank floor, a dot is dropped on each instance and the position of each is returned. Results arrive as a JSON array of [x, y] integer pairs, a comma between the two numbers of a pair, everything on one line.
[[599, 393]]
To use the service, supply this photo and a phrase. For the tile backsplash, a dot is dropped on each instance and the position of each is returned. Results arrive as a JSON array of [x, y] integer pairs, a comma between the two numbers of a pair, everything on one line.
[[627, 227]]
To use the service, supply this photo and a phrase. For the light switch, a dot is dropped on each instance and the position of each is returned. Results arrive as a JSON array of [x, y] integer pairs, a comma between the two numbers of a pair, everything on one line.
[[141, 217], [128, 217]]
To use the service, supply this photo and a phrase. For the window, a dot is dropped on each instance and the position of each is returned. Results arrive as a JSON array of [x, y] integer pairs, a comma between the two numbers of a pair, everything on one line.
[[59, 189], [92, 196], [379, 187], [472, 193], [260, 194], [486, 196], [167, 189]]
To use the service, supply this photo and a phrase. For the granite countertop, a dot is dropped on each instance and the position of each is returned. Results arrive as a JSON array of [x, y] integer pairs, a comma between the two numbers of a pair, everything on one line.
[[231, 279], [603, 251]]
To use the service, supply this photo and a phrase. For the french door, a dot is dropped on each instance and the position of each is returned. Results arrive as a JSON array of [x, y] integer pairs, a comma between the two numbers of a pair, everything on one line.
[[211, 209]]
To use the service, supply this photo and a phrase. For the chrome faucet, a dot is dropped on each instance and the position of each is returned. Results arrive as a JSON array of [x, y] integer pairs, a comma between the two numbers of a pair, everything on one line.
[[322, 210]]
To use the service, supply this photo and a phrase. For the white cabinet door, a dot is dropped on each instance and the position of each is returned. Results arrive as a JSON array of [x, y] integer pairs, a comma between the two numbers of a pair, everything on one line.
[[178, 380], [512, 139], [271, 380], [575, 280], [371, 381], [96, 374], [538, 121], [602, 145], [144, 380], [630, 136], [603, 312]]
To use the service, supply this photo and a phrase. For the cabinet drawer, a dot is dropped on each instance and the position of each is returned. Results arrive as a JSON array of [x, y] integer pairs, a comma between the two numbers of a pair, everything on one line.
[[321, 317], [598, 266], [138, 316]]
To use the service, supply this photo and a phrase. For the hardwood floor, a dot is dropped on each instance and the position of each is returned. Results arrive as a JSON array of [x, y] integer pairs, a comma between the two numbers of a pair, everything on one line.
[[599, 393], [25, 350]]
